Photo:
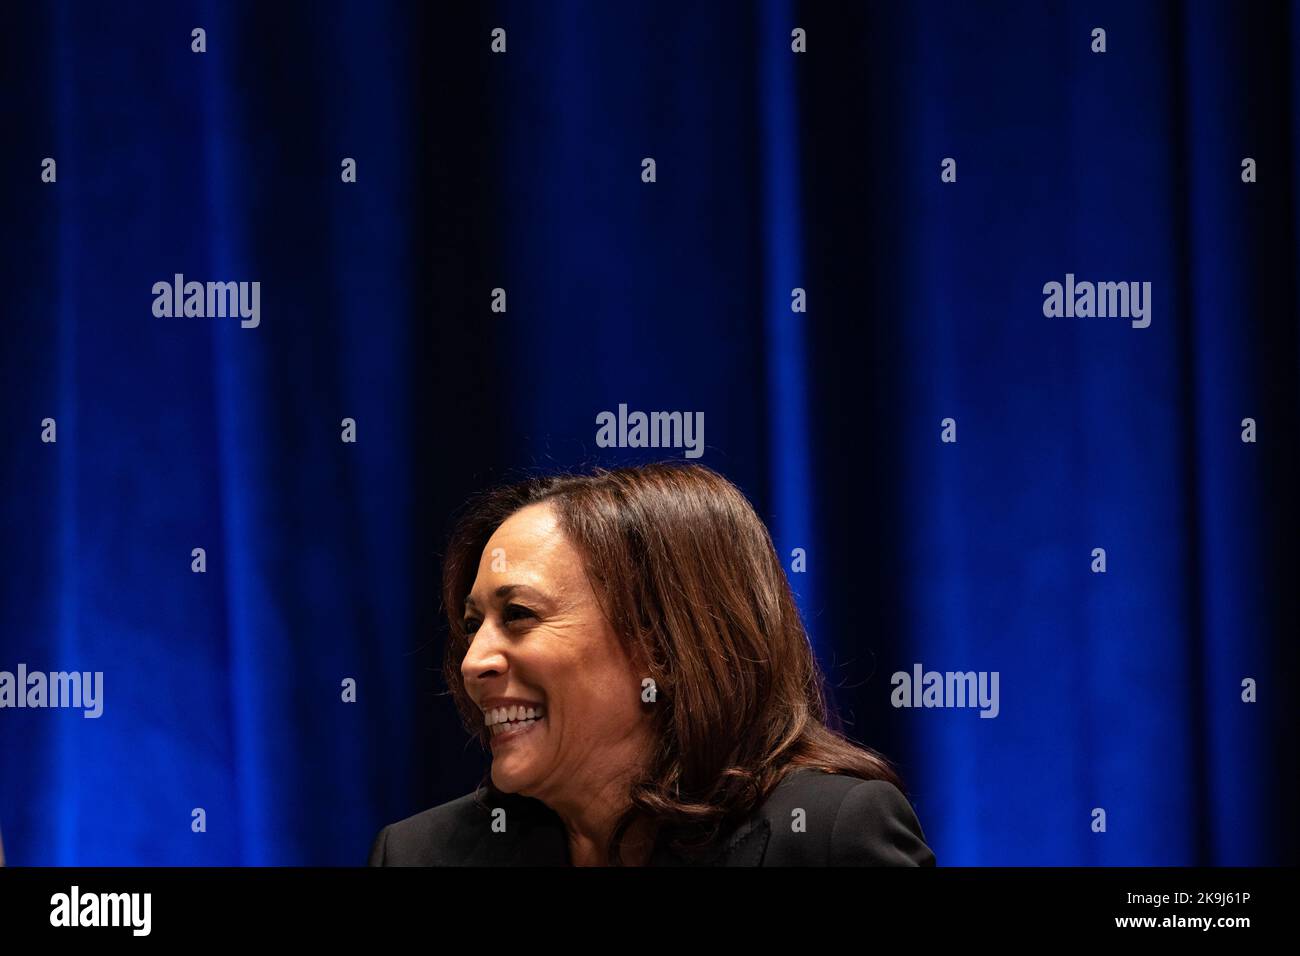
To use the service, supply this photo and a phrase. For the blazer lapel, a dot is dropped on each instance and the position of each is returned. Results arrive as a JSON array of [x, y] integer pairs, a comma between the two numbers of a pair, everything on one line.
[[748, 844], [744, 847]]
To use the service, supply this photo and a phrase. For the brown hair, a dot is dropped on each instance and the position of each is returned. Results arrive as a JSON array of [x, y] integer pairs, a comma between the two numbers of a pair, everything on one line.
[[687, 574]]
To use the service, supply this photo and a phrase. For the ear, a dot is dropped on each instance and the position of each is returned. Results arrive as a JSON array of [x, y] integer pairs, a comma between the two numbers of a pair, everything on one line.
[[639, 662]]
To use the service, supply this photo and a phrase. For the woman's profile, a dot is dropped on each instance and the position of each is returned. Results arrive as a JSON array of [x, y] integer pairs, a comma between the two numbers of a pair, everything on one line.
[[627, 646]]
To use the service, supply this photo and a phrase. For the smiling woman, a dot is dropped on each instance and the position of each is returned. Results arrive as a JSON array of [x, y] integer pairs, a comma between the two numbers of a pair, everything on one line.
[[627, 646]]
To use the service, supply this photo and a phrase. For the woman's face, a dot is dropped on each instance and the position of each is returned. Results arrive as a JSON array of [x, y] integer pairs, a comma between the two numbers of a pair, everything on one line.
[[539, 643]]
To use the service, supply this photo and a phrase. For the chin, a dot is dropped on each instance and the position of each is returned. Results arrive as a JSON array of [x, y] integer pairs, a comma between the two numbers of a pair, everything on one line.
[[507, 779]]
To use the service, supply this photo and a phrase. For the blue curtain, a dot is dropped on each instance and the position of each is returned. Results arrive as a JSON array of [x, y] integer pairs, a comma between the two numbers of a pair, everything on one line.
[[774, 171]]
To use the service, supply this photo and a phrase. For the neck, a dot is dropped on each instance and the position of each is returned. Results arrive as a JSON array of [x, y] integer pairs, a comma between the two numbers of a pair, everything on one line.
[[592, 799], [590, 847], [589, 823]]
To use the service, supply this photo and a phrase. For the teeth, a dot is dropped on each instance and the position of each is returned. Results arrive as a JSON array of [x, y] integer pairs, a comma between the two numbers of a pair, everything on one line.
[[516, 713], [516, 725]]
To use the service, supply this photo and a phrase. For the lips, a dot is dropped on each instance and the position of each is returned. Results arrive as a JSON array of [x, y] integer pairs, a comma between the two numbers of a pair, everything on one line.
[[508, 732]]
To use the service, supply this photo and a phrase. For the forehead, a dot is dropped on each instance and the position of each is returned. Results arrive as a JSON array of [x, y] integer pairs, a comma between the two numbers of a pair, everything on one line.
[[533, 527], [534, 549]]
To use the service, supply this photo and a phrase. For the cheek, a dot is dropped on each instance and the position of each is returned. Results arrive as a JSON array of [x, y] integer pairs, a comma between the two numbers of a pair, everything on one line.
[[611, 691], [587, 678]]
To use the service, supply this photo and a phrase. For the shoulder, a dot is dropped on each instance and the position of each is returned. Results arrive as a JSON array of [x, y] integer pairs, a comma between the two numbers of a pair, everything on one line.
[[440, 835], [829, 819]]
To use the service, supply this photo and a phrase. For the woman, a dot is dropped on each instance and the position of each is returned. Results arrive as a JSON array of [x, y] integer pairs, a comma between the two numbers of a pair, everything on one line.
[[628, 647]]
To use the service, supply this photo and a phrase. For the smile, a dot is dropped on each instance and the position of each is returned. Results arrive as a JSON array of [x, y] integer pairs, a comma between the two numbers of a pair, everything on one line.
[[512, 721], [510, 730]]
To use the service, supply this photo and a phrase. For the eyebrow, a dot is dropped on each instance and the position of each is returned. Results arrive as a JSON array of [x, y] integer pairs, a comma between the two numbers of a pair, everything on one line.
[[503, 592]]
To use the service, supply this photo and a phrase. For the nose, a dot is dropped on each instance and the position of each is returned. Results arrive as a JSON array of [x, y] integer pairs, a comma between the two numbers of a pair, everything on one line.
[[485, 657]]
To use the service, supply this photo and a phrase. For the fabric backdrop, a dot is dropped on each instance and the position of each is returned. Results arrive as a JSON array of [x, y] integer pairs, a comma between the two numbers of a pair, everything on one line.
[[775, 170]]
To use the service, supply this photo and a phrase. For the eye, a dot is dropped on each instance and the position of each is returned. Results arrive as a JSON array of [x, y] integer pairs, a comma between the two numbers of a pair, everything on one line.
[[471, 625], [517, 612]]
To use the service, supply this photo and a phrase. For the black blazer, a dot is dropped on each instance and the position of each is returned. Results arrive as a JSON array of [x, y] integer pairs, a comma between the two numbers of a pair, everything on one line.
[[846, 822]]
